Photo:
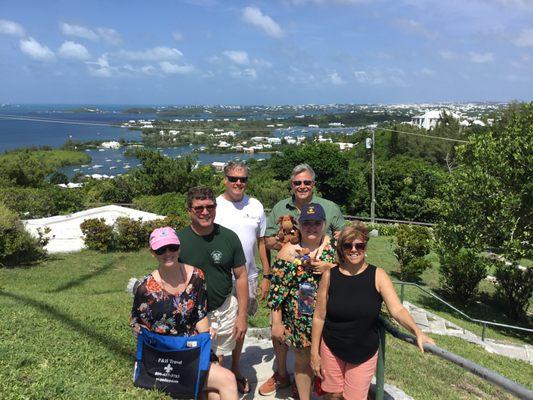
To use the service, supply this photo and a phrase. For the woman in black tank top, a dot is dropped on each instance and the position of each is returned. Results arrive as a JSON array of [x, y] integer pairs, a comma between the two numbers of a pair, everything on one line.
[[345, 319]]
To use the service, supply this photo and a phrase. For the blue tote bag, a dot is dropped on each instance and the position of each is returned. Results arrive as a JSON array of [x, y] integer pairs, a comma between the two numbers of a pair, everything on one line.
[[176, 365]]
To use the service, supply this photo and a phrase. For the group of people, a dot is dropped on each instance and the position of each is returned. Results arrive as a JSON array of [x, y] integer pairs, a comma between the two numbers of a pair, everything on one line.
[[324, 297]]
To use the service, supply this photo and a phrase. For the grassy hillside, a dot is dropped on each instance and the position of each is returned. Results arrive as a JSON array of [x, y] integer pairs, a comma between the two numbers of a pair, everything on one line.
[[64, 335]]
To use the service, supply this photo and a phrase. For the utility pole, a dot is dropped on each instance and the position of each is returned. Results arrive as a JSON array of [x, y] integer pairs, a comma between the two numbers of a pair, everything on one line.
[[370, 145]]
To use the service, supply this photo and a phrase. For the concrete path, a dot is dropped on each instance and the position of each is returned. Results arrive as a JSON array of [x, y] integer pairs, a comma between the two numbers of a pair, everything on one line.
[[432, 323], [257, 365]]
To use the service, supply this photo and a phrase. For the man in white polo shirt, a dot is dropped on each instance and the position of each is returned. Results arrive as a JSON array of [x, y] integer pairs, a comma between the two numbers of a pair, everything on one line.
[[246, 217]]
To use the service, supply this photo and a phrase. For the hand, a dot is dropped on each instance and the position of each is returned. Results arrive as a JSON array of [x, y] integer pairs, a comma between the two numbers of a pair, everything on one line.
[[212, 333], [136, 329], [278, 332], [422, 338], [241, 325], [319, 266], [264, 288], [316, 365], [336, 235]]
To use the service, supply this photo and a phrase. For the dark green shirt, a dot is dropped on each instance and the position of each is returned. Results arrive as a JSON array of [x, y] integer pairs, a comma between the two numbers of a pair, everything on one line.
[[216, 254], [334, 219]]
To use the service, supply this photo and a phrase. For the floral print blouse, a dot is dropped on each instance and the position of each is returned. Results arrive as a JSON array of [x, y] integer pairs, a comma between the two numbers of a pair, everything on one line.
[[170, 314], [293, 291]]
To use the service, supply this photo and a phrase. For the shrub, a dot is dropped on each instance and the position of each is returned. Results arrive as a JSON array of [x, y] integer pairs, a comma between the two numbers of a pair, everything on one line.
[[129, 234], [412, 244], [384, 229], [57, 178], [17, 246], [97, 234], [42, 202], [164, 204], [514, 287], [461, 271]]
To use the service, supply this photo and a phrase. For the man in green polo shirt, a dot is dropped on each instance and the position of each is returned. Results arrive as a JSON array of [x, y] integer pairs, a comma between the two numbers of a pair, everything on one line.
[[302, 184], [218, 252]]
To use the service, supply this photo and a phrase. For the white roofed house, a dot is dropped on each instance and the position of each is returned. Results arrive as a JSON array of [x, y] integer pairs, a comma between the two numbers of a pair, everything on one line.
[[430, 119]]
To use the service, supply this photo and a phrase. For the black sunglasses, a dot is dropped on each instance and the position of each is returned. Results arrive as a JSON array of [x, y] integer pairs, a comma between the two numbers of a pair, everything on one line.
[[298, 183], [358, 246], [234, 179], [200, 209], [171, 247]]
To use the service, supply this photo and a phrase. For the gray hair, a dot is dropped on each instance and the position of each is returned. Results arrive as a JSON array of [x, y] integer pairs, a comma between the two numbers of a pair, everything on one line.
[[235, 164], [303, 168]]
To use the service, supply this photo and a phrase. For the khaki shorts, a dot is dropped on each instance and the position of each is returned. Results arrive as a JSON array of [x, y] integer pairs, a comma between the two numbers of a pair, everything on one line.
[[223, 320]]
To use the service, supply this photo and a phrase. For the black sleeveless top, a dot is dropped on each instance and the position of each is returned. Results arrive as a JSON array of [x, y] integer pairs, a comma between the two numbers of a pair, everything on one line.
[[350, 329]]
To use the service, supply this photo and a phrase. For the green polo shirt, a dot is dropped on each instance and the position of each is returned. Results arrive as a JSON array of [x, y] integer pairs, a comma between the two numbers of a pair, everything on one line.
[[216, 254], [334, 219]]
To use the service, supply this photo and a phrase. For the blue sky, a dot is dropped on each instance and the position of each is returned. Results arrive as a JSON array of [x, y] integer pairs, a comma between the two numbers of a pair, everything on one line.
[[265, 52]]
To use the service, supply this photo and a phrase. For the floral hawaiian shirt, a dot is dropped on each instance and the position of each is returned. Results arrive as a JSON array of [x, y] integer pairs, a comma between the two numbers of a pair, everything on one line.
[[293, 291], [170, 314]]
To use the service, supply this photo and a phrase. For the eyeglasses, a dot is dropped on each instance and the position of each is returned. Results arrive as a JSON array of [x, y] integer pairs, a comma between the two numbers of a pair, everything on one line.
[[234, 179], [171, 247], [200, 209], [299, 183], [347, 246]]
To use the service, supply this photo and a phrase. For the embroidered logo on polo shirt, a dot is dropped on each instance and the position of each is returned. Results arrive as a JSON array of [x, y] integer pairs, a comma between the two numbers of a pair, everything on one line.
[[311, 210], [216, 256]]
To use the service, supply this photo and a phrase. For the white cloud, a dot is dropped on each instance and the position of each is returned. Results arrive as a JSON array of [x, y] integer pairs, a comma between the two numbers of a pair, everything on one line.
[[148, 69], [100, 67], [335, 78], [74, 51], [159, 53], [447, 54], [248, 73], [11, 28], [481, 58], [169, 68], [415, 27], [392, 76], [35, 50], [254, 16], [237, 56], [341, 2], [78, 31], [427, 72], [109, 35], [524, 38], [177, 36]]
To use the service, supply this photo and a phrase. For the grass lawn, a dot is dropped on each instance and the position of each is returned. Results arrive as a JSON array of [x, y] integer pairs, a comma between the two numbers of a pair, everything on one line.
[[64, 335]]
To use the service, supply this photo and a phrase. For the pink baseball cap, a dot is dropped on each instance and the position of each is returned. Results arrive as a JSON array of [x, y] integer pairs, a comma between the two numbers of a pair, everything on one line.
[[163, 237]]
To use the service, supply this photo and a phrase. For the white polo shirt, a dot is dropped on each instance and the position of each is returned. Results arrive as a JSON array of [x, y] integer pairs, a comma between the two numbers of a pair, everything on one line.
[[248, 220]]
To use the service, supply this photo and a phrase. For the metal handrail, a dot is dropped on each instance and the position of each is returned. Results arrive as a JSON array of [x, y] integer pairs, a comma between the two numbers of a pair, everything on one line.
[[506, 384], [483, 323]]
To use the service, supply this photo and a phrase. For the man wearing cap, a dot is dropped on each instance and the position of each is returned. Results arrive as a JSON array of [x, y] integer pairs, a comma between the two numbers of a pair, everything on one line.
[[218, 252], [246, 217], [302, 185]]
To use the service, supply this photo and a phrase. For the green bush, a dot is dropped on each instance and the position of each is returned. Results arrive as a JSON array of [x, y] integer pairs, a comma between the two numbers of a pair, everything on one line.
[[97, 234], [17, 246], [129, 234], [164, 204], [411, 245], [461, 271], [514, 287], [58, 177], [42, 202], [383, 229]]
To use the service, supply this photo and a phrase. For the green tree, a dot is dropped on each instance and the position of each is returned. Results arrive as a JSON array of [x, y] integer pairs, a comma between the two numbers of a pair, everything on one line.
[[487, 201]]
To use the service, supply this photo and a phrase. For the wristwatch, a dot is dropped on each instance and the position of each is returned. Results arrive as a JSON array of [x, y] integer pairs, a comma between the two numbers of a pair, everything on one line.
[[267, 276]]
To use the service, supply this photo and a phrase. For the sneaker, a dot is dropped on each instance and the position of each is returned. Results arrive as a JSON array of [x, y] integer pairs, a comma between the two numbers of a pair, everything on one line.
[[274, 383]]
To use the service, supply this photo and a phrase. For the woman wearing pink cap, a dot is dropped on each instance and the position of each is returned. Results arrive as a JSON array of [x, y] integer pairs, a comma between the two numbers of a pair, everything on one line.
[[172, 300]]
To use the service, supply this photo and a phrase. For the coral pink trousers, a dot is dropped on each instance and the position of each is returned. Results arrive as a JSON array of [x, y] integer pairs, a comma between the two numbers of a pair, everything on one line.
[[352, 380]]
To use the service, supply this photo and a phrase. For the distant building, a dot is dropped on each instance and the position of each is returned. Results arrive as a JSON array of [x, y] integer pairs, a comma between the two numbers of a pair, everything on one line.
[[111, 145], [430, 119], [218, 165]]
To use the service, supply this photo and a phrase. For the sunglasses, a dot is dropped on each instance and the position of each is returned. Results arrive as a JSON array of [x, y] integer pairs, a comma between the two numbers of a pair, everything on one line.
[[349, 246], [171, 247], [234, 179], [298, 183], [200, 209]]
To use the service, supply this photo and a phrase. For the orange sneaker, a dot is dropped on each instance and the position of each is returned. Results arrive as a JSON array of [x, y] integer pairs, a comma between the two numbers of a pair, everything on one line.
[[274, 383]]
